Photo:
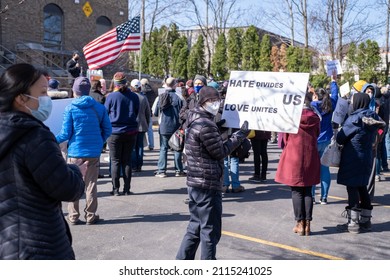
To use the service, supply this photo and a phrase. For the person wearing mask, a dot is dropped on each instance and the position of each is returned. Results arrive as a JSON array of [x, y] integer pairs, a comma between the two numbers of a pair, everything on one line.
[[143, 119], [357, 136], [299, 166], [86, 127], [122, 106], [205, 153], [325, 105], [73, 67], [35, 178], [168, 108]]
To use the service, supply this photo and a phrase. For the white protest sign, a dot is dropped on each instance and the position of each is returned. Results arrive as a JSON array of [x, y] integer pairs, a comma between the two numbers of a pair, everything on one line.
[[54, 122], [270, 101], [333, 65], [344, 89], [340, 111]]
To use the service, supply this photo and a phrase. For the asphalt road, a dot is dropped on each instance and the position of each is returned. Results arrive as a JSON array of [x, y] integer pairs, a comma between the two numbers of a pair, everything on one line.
[[257, 224]]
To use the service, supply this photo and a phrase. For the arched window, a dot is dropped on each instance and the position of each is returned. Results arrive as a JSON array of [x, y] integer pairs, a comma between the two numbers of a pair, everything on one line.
[[52, 24], [103, 24]]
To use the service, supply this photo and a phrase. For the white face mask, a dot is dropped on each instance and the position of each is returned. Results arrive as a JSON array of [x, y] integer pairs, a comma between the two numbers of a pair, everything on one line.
[[44, 109], [212, 107]]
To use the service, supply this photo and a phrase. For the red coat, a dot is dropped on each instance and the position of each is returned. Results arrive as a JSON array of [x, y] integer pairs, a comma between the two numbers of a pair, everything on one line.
[[299, 163]]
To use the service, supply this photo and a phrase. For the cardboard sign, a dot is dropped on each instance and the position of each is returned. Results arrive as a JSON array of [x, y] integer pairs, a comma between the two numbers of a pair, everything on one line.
[[270, 101], [340, 111], [54, 122], [345, 89], [333, 65]]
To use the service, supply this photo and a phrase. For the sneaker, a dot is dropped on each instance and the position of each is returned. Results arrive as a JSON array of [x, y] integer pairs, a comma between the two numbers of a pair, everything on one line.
[[324, 201], [160, 174], [238, 189], [314, 201], [377, 178], [94, 220], [75, 222], [225, 189], [186, 201], [255, 178], [127, 193], [180, 174]]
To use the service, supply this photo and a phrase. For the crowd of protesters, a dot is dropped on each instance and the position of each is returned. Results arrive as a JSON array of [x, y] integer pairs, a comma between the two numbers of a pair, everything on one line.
[[120, 119]]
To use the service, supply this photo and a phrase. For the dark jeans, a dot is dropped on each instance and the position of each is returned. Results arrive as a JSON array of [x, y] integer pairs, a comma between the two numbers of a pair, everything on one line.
[[302, 203], [205, 225], [121, 146], [260, 157], [138, 152], [358, 197]]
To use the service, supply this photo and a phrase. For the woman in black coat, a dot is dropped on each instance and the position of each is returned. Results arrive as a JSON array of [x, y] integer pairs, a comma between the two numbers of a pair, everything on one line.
[[34, 176]]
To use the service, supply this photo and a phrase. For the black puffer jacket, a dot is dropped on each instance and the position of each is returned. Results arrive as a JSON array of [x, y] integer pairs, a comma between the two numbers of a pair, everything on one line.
[[206, 150], [34, 180]]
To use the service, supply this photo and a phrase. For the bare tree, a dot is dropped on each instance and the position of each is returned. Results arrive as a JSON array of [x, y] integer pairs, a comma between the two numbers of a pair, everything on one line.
[[291, 11], [301, 6], [222, 12]]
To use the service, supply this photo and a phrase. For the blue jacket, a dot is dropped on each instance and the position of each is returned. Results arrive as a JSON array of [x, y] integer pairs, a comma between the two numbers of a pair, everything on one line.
[[326, 118], [86, 127], [123, 111], [170, 116], [357, 138]]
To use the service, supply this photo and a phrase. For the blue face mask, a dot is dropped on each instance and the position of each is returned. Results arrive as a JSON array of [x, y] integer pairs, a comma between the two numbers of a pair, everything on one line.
[[197, 88], [44, 109]]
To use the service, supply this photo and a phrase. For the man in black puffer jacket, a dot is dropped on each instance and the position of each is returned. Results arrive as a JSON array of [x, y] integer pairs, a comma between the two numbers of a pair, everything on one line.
[[205, 152]]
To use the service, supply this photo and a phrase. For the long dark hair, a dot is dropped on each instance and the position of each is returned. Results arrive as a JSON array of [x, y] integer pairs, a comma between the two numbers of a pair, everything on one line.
[[17, 79], [326, 105]]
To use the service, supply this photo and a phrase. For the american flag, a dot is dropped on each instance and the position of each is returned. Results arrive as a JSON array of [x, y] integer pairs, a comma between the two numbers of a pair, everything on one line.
[[106, 48]]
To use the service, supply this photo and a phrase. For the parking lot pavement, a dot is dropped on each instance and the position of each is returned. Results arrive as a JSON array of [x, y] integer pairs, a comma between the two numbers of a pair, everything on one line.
[[257, 224]]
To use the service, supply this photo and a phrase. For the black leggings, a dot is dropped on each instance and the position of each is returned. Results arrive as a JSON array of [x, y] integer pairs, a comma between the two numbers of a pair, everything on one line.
[[260, 157], [302, 203], [358, 197]]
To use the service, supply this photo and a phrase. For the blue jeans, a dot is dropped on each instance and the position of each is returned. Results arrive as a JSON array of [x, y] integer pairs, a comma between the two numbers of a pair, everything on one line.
[[162, 160], [150, 135], [387, 140], [138, 152], [325, 173], [231, 169], [205, 224]]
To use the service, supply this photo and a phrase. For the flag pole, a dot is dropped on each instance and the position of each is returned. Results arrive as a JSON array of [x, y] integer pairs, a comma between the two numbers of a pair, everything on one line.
[[142, 37]]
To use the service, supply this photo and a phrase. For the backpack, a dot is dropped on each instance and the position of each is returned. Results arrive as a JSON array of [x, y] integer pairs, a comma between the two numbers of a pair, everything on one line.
[[165, 100]]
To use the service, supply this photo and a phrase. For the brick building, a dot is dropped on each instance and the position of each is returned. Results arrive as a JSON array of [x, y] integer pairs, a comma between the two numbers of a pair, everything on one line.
[[46, 32]]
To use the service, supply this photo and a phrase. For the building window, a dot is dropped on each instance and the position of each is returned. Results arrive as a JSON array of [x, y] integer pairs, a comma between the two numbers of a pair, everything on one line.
[[52, 24], [103, 24]]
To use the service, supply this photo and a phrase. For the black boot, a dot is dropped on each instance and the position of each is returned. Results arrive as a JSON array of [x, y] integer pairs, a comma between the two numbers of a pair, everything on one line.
[[365, 220]]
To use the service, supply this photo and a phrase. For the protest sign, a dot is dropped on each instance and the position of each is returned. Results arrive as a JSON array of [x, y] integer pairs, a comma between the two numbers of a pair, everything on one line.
[[344, 89], [340, 111], [54, 122], [270, 101], [332, 65]]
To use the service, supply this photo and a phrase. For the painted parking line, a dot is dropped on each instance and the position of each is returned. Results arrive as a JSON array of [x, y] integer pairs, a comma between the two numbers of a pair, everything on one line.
[[373, 203], [282, 246]]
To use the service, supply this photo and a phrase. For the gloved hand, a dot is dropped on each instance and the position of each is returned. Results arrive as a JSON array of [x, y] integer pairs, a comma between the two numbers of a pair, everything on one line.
[[221, 123], [243, 132]]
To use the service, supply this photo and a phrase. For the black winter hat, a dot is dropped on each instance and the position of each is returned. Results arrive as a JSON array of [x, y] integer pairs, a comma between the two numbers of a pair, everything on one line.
[[208, 93]]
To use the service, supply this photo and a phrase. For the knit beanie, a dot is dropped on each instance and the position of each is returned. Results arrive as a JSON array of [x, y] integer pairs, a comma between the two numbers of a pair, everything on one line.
[[359, 85], [201, 78], [120, 79], [81, 86], [208, 93], [214, 85]]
